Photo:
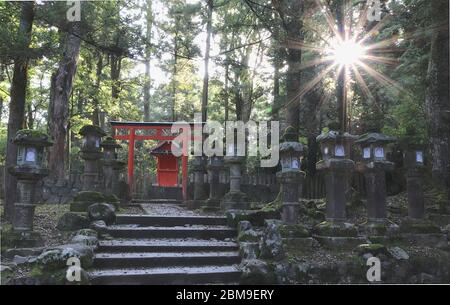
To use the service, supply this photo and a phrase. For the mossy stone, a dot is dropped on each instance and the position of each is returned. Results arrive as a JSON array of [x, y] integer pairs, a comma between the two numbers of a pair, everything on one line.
[[294, 231], [248, 236], [332, 229], [419, 227], [84, 199], [15, 239], [374, 249], [89, 196]]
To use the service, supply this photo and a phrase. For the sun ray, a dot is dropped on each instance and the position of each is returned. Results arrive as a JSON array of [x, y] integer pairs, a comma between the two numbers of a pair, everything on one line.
[[311, 84], [381, 78], [380, 59], [376, 28], [360, 80], [362, 19], [330, 20], [315, 62], [295, 44]]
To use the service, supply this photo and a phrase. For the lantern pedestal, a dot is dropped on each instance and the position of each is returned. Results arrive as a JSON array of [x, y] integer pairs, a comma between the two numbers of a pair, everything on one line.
[[91, 153], [337, 172], [375, 179], [109, 161], [335, 233], [416, 200], [200, 194], [235, 199], [28, 171], [417, 229], [215, 194], [118, 166], [291, 182], [90, 174]]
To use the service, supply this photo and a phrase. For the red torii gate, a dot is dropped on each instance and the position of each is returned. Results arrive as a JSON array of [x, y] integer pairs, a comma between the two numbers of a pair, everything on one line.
[[161, 131]]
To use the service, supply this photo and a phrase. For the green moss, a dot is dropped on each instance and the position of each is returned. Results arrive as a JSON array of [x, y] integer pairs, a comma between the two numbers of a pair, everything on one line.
[[112, 199], [374, 249], [92, 129], [32, 136], [293, 231], [331, 229], [248, 236], [86, 232], [419, 227], [274, 206], [90, 196]]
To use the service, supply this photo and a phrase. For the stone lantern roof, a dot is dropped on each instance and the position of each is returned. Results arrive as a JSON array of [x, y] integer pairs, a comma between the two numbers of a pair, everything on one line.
[[333, 136], [290, 141], [92, 129], [110, 142], [32, 138], [372, 138]]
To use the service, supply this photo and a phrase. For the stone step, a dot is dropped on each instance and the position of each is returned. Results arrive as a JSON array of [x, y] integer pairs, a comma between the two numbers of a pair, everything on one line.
[[164, 245], [157, 201], [168, 221], [167, 276], [161, 259], [200, 232]]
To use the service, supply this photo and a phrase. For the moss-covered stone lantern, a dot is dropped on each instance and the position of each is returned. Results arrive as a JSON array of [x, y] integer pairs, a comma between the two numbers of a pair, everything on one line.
[[374, 167], [29, 169], [91, 153], [109, 146], [235, 198], [214, 166], [336, 164], [290, 177], [198, 169], [414, 161]]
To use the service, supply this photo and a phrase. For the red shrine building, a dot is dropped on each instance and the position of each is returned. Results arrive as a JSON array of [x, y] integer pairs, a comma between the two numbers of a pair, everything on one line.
[[167, 164]]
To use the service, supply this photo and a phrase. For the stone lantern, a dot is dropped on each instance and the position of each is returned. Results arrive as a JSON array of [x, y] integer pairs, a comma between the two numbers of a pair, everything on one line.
[[109, 161], [290, 177], [337, 166], [214, 166], [118, 167], [235, 198], [91, 153], [417, 229], [374, 167], [29, 169], [200, 193], [414, 162]]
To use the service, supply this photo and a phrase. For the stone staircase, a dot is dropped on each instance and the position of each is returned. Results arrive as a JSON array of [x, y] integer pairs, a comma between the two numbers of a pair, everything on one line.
[[152, 249]]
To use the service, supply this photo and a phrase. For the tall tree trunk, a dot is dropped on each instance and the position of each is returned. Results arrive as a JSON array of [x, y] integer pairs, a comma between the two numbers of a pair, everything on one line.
[[437, 94], [227, 96], [30, 119], [2, 78], [17, 104], [147, 82], [341, 93], [116, 67], [277, 65], [174, 77], [60, 91], [210, 4], [294, 11], [98, 75]]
